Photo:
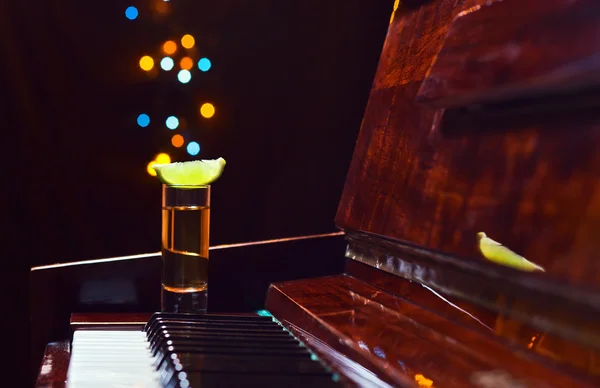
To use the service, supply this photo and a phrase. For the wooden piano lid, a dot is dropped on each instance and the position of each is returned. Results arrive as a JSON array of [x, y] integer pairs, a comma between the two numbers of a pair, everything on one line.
[[478, 122], [483, 117]]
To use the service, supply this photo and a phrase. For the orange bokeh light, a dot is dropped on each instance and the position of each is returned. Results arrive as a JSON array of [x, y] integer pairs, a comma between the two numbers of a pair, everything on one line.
[[177, 141], [188, 41], [186, 63], [169, 47]]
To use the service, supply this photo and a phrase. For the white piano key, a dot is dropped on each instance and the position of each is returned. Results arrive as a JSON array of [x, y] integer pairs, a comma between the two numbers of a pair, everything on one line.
[[111, 359]]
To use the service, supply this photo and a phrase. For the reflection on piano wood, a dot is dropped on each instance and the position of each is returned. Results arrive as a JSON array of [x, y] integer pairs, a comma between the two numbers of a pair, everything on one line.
[[467, 130]]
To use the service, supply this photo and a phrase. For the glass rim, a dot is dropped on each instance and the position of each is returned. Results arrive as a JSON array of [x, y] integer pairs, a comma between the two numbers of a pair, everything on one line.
[[186, 186]]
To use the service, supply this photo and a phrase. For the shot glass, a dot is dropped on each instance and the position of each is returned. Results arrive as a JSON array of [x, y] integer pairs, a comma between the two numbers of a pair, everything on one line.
[[184, 248]]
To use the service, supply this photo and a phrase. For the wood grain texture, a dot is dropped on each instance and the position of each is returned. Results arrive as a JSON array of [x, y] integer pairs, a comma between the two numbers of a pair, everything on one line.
[[511, 49], [404, 343], [533, 185]]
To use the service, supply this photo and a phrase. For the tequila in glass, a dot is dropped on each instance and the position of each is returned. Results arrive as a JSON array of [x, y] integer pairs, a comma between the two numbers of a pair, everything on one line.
[[185, 242]]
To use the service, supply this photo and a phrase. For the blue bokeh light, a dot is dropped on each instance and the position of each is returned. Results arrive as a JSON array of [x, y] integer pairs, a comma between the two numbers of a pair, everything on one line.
[[172, 122], [143, 120], [204, 64], [166, 63], [193, 148], [131, 13], [184, 76]]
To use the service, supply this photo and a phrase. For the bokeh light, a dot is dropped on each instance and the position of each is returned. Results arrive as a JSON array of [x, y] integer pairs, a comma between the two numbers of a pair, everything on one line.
[[163, 158], [177, 141], [131, 13], [143, 120], [188, 41], [193, 148], [207, 110], [186, 63], [169, 47], [204, 64], [184, 76], [172, 122], [146, 63], [150, 169], [167, 63]]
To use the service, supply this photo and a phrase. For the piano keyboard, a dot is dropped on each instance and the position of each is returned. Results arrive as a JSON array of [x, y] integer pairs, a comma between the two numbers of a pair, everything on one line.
[[184, 350]]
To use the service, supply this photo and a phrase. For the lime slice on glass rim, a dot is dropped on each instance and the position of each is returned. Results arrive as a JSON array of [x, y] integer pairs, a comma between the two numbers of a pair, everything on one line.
[[192, 173]]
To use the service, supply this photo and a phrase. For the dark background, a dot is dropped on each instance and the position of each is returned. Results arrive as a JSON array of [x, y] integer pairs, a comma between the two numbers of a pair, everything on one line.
[[290, 81]]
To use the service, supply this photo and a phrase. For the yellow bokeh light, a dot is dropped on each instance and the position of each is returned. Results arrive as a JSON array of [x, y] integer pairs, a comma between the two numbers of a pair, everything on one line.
[[163, 158], [146, 63], [150, 169], [188, 41], [169, 47], [177, 141], [207, 110], [186, 63]]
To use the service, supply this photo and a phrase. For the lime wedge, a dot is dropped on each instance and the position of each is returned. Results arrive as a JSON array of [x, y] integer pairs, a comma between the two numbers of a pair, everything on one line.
[[193, 173], [499, 254]]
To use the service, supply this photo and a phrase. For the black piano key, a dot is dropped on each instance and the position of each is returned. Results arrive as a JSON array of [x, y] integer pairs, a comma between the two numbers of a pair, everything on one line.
[[162, 337], [215, 341], [171, 354], [230, 317], [210, 323], [242, 317], [207, 317], [204, 332], [213, 329], [217, 379], [283, 352], [191, 362], [173, 324], [230, 350]]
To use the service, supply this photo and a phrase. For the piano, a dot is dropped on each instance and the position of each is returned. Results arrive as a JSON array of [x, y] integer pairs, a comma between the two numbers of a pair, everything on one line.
[[483, 120]]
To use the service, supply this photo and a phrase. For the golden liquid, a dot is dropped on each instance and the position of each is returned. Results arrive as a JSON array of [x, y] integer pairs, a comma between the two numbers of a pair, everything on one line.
[[185, 241]]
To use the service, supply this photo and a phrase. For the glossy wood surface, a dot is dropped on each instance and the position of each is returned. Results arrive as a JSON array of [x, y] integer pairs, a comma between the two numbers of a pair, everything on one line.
[[516, 48], [423, 179], [55, 365], [408, 344], [514, 320], [134, 321], [571, 312]]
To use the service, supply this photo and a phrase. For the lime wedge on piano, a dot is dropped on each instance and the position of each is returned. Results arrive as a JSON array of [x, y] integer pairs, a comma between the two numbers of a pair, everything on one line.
[[193, 173]]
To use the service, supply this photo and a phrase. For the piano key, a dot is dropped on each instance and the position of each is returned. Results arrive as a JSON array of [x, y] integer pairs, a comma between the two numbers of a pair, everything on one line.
[[238, 317], [249, 364], [208, 326], [249, 351], [107, 358], [209, 380]]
